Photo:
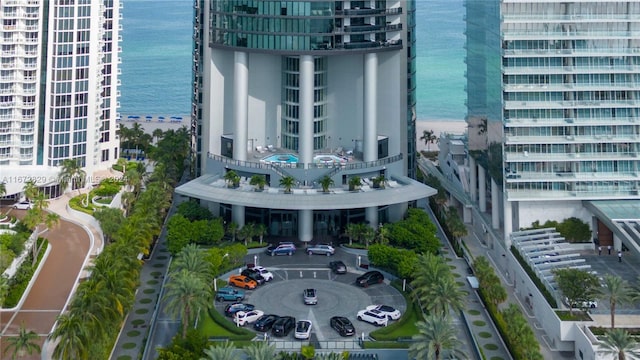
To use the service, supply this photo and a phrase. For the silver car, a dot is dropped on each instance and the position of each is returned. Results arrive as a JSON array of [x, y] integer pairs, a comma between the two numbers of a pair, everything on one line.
[[310, 296], [321, 249]]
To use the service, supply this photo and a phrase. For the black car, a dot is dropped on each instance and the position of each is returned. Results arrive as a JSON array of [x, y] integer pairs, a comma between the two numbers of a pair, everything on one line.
[[370, 277], [253, 275], [342, 325], [283, 326], [231, 309], [338, 267], [265, 322]]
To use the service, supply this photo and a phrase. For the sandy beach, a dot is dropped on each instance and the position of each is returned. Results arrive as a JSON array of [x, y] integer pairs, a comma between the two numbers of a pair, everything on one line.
[[456, 127]]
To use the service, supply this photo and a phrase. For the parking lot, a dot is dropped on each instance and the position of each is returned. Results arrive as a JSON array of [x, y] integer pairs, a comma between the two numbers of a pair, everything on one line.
[[337, 294]]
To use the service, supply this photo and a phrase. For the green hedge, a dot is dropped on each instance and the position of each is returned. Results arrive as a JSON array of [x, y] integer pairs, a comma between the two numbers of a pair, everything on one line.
[[242, 333], [534, 277], [386, 345], [18, 284], [76, 204]]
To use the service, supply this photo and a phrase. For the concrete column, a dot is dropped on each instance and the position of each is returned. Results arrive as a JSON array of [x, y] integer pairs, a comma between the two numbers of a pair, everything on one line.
[[482, 196], [617, 243], [371, 215], [495, 206], [508, 226], [237, 214], [473, 174], [305, 225], [305, 135], [240, 105], [466, 215], [370, 130]]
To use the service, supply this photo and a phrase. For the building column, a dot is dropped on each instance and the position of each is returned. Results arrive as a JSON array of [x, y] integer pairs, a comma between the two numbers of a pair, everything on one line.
[[482, 190], [466, 215], [371, 215], [508, 226], [617, 243], [495, 206], [305, 135], [240, 105], [370, 127], [237, 215], [473, 171], [305, 225]]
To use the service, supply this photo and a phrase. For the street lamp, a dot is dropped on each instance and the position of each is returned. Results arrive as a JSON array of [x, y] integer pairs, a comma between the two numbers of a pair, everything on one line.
[[215, 279]]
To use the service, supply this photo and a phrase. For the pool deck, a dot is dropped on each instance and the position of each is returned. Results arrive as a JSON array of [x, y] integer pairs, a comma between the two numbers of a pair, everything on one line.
[[337, 157]]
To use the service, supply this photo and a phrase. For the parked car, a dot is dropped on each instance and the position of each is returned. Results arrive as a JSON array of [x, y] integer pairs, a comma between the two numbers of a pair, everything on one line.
[[231, 309], [266, 274], [281, 249], [242, 281], [265, 322], [582, 304], [321, 249], [338, 267], [23, 205], [310, 296], [342, 325], [374, 317], [229, 294], [369, 278], [246, 317], [283, 326], [253, 275], [390, 312], [303, 330]]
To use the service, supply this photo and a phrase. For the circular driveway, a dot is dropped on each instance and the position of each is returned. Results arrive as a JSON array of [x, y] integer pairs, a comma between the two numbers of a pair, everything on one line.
[[337, 294]]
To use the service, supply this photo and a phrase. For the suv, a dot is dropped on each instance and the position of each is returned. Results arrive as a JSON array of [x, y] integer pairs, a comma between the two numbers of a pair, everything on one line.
[[310, 296], [231, 309], [321, 249], [342, 325], [283, 326], [281, 249], [370, 277], [266, 274], [253, 275], [229, 294]]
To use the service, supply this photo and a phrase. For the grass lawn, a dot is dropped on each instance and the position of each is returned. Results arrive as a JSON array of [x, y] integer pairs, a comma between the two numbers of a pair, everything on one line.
[[578, 315], [403, 328]]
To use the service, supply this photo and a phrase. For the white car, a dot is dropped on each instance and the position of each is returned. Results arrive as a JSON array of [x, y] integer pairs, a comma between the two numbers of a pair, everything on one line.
[[266, 274], [584, 304], [246, 317], [303, 329], [390, 312], [374, 317], [23, 205]]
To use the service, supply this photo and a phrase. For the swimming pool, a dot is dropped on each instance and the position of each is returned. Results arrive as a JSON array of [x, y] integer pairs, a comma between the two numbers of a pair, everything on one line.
[[292, 159], [280, 158], [328, 159]]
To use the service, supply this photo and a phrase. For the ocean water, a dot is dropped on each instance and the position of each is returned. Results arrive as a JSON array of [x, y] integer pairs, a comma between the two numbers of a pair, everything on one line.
[[156, 58]]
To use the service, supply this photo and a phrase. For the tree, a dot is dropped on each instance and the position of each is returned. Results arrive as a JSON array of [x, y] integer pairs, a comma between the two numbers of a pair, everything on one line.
[[193, 260], [429, 137], [437, 337], [72, 173], [232, 178], [25, 343], [618, 342], [110, 220], [186, 296], [260, 350], [30, 189], [326, 182], [226, 351], [354, 183], [259, 181], [616, 291], [351, 231], [576, 285], [157, 134], [260, 231], [232, 230], [368, 234], [246, 233], [72, 339], [378, 181], [445, 294], [3, 190], [287, 183]]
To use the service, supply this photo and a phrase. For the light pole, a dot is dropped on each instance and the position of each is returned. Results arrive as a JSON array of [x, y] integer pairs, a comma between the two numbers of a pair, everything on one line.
[[215, 279]]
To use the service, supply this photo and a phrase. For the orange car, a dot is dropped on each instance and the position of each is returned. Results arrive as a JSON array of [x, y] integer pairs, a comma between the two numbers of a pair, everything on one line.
[[242, 281]]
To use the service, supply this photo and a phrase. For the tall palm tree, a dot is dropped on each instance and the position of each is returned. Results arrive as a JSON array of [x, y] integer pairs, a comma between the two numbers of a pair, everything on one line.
[[618, 342], [157, 134], [260, 231], [25, 343], [246, 233], [72, 339], [226, 351], [186, 296], [192, 259], [429, 271], [260, 350], [437, 337], [71, 173], [368, 234], [445, 295], [616, 291], [351, 231], [30, 189], [428, 136]]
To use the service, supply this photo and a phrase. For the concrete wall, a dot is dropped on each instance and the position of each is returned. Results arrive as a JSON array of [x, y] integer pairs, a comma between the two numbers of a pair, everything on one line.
[[530, 211]]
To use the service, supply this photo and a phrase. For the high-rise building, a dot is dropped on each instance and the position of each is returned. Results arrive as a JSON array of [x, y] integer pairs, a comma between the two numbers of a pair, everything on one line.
[[553, 103], [303, 94], [58, 89]]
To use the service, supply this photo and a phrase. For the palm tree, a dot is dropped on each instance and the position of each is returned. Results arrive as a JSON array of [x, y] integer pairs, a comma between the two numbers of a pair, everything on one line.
[[226, 351], [3, 189], [71, 173], [616, 291], [428, 272], [186, 296], [122, 162], [287, 183], [428, 136], [326, 182], [157, 134], [351, 231], [437, 337], [25, 343], [378, 181], [444, 295], [192, 259], [368, 234], [246, 233], [618, 342], [259, 181], [354, 183], [260, 350], [232, 178], [72, 339], [260, 231], [382, 237], [232, 230], [30, 189]]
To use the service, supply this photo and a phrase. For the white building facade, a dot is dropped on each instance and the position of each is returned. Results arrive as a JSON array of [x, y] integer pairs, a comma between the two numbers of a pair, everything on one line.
[[58, 89], [305, 89]]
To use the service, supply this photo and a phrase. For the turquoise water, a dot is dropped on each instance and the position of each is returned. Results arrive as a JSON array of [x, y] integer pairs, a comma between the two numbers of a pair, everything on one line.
[[156, 58], [287, 158]]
